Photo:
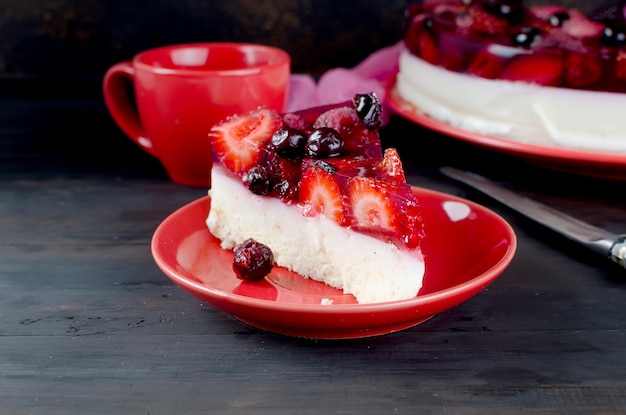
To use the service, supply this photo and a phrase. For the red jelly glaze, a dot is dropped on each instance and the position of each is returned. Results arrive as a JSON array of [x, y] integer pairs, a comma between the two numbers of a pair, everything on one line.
[[504, 39], [287, 170]]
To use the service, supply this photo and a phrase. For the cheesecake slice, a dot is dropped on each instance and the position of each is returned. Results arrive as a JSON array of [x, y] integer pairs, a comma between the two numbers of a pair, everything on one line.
[[318, 190]]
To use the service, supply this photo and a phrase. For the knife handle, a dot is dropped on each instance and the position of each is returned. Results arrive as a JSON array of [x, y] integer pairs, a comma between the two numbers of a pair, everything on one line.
[[617, 253]]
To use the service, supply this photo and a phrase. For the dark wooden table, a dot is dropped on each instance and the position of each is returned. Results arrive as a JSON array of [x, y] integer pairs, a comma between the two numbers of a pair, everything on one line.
[[90, 325]]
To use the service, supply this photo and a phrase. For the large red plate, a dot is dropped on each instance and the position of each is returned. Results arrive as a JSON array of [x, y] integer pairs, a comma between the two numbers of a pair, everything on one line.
[[584, 163], [467, 247]]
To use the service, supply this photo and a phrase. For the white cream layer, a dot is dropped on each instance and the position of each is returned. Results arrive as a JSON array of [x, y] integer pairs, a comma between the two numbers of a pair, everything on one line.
[[315, 247], [559, 117]]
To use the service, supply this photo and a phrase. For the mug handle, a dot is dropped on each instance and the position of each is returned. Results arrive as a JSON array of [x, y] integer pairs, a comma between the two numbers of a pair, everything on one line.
[[118, 103]]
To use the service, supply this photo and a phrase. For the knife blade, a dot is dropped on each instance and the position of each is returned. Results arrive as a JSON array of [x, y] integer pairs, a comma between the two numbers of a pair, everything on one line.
[[597, 239]]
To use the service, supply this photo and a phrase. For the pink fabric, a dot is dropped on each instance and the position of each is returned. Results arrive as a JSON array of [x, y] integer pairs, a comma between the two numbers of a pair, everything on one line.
[[341, 84]]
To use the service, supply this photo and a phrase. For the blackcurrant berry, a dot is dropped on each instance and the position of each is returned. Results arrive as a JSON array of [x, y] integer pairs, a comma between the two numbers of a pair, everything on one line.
[[257, 179], [369, 109], [252, 261], [289, 142], [324, 142], [526, 36], [558, 19], [614, 36]]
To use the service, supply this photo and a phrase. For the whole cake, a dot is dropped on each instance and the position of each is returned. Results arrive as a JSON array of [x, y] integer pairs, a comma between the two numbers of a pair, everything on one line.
[[317, 189], [544, 75]]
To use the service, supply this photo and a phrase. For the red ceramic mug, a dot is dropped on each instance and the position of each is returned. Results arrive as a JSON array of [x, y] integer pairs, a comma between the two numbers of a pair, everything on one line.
[[180, 91]]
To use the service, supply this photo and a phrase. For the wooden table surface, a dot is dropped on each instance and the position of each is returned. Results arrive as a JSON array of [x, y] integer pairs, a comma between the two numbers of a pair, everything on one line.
[[90, 325]]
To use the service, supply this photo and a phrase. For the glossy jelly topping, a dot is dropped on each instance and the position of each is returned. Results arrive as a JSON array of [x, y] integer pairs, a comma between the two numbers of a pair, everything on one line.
[[504, 39], [326, 160]]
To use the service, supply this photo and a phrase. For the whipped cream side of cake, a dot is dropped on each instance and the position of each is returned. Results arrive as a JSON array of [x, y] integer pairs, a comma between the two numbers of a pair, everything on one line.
[[546, 75], [534, 114]]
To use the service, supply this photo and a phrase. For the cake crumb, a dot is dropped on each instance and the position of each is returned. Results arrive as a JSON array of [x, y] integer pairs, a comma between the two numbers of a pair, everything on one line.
[[326, 301]]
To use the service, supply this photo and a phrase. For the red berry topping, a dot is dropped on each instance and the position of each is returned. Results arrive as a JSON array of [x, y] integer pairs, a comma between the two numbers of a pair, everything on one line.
[[486, 65], [391, 166], [320, 193], [357, 137], [316, 158], [354, 166], [369, 110], [428, 48], [547, 14], [421, 41], [457, 35], [324, 142], [541, 69], [296, 121], [289, 142], [581, 70], [284, 175], [257, 180], [252, 261], [527, 36], [384, 208], [238, 141], [453, 59], [580, 26], [342, 119], [484, 22], [510, 10]]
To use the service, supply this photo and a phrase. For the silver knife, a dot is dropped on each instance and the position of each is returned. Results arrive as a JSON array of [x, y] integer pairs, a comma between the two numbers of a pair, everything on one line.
[[594, 238]]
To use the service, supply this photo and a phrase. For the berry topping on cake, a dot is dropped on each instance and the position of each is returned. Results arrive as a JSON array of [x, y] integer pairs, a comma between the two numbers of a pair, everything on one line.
[[320, 193], [289, 142], [329, 163], [324, 142], [391, 166], [486, 65], [284, 174], [257, 179], [380, 206], [316, 188], [252, 260], [239, 140], [505, 39], [537, 69], [368, 110]]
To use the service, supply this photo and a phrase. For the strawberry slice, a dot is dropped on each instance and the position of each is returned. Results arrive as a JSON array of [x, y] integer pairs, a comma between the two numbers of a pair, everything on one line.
[[385, 209], [353, 165], [428, 47], [391, 165], [319, 192], [238, 141], [582, 70], [543, 69], [372, 205], [486, 65], [453, 59], [420, 40]]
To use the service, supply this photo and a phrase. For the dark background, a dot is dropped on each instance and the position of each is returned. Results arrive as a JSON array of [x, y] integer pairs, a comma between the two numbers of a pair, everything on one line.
[[65, 46]]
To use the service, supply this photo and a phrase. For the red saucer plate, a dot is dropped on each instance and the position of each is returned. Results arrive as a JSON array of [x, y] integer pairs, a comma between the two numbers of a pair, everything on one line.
[[467, 247], [584, 163]]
